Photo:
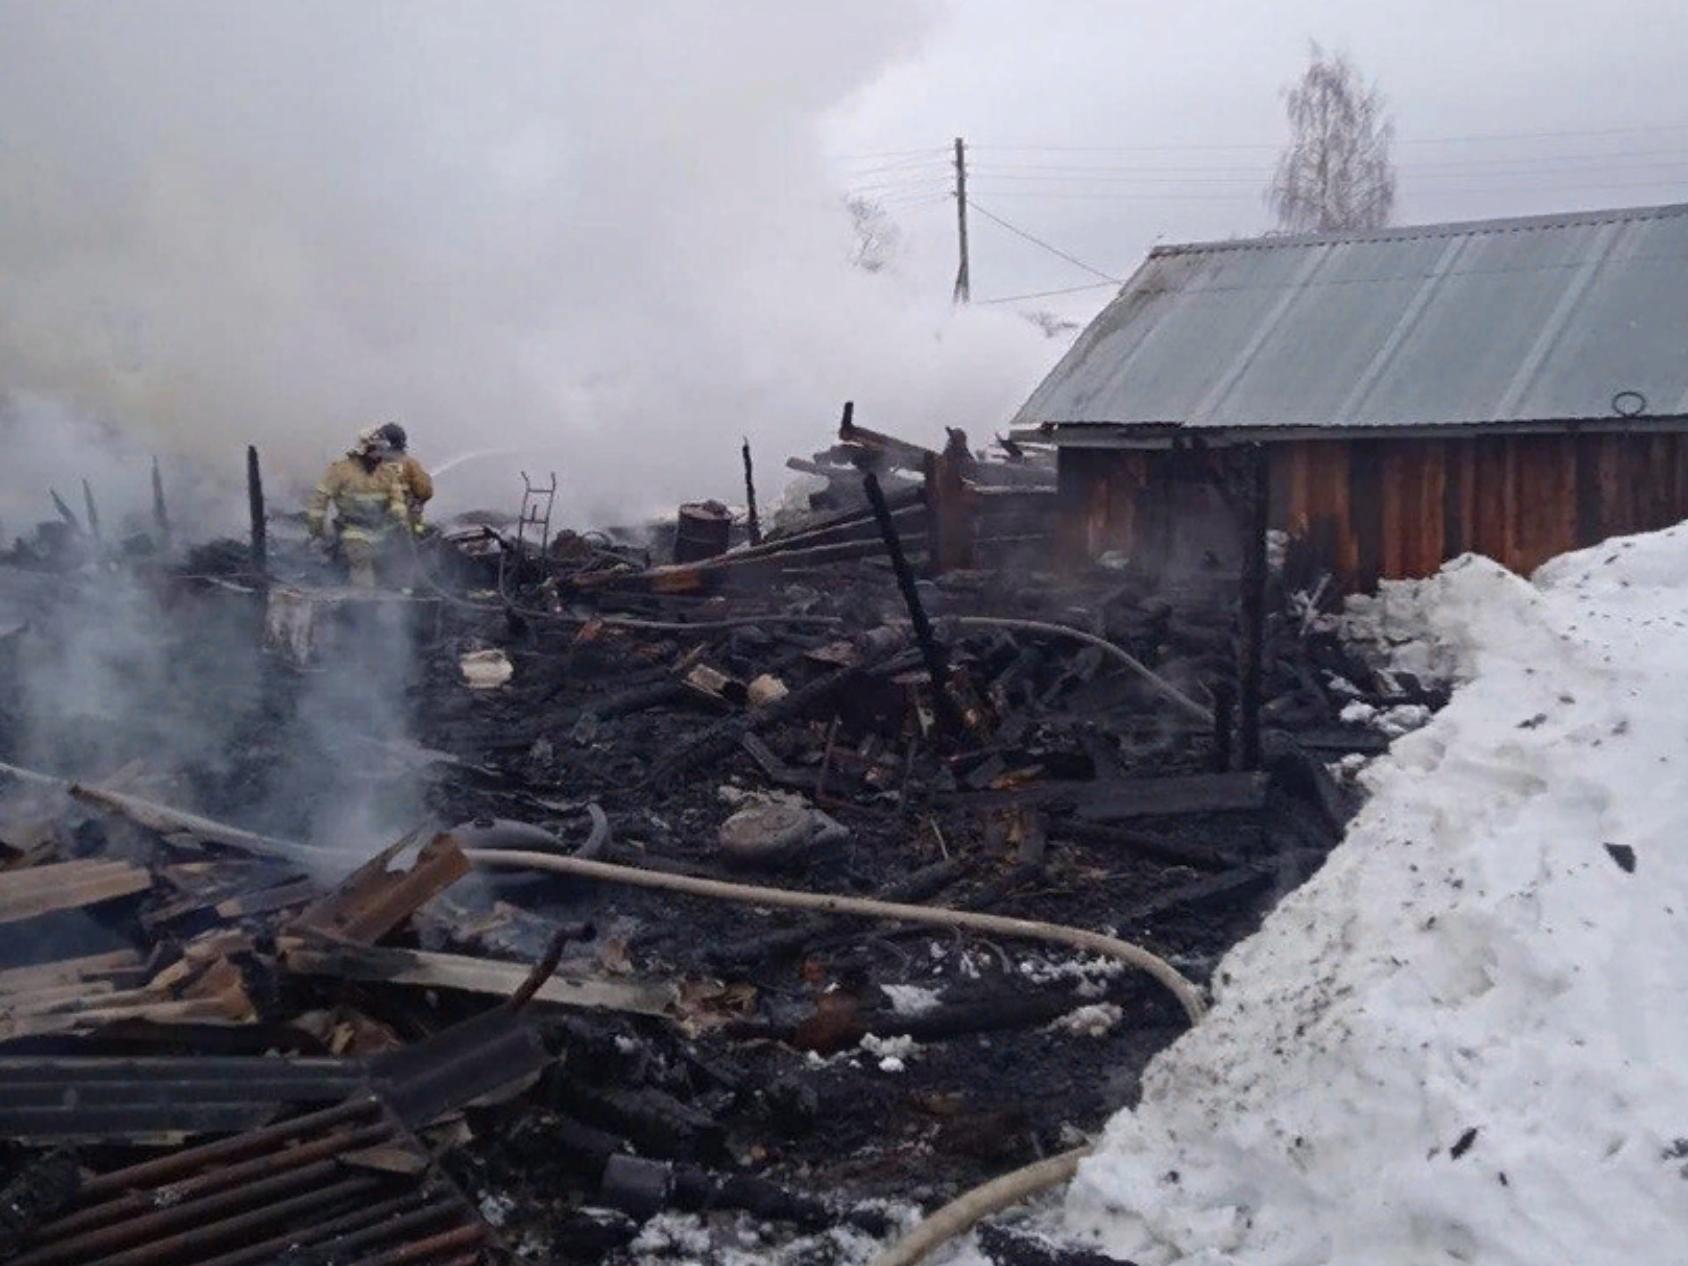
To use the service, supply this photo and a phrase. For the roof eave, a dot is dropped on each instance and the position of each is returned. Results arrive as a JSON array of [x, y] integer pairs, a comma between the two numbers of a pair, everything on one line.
[[1173, 434]]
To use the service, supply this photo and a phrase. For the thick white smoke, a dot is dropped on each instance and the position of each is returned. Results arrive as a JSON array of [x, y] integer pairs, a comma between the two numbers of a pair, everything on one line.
[[601, 236]]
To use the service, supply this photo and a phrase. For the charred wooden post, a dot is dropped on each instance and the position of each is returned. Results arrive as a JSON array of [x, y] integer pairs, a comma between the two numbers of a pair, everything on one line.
[[753, 523], [93, 513], [1253, 605], [160, 514], [930, 651], [949, 510], [1224, 716], [65, 512], [255, 505]]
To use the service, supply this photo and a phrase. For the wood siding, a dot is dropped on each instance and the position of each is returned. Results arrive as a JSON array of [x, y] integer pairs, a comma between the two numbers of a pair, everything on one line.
[[1390, 508]]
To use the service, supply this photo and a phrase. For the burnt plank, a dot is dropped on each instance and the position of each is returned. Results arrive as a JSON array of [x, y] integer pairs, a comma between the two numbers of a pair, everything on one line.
[[1171, 796], [1226, 888]]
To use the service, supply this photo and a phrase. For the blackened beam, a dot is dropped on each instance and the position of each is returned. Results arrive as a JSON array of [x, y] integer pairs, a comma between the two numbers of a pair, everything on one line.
[[754, 524], [255, 506], [726, 736], [949, 720], [92, 509], [899, 451], [160, 514], [64, 510]]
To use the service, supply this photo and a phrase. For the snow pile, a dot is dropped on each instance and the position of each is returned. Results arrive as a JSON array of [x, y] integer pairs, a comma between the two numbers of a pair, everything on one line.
[[1466, 1038]]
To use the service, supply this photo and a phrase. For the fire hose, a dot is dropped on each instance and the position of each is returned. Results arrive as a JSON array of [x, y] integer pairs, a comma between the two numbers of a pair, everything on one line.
[[952, 1219], [966, 1210], [1181, 988]]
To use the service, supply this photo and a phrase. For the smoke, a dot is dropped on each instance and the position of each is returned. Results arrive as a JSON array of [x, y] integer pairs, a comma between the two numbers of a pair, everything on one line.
[[50, 447], [113, 670], [599, 237], [116, 672], [341, 780]]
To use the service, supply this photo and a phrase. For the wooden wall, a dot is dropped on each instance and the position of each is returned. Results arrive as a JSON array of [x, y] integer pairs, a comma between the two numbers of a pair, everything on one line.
[[1365, 509]]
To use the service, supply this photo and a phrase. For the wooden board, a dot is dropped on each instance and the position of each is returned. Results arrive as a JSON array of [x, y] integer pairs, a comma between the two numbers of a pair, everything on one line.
[[427, 969], [1169, 797], [35, 890]]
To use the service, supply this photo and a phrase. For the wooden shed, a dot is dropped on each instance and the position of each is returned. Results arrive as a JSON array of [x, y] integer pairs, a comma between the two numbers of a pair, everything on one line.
[[1515, 388]]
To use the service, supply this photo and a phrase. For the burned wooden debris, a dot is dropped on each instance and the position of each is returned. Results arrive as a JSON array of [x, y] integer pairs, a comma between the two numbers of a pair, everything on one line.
[[894, 698]]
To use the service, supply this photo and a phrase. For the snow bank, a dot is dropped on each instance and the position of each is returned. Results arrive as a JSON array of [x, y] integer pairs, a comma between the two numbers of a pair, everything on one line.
[[1466, 1038]]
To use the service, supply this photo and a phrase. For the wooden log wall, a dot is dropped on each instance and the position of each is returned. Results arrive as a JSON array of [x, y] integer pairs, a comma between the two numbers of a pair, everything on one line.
[[1390, 508]]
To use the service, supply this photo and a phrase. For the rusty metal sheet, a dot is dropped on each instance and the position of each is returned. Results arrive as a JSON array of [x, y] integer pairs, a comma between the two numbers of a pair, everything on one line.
[[292, 1187], [94, 1099]]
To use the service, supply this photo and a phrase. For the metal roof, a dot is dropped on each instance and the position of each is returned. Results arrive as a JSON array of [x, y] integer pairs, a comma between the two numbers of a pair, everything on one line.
[[1518, 321]]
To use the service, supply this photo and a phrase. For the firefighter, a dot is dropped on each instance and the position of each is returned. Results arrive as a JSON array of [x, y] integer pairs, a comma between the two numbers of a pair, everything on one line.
[[368, 495], [418, 486]]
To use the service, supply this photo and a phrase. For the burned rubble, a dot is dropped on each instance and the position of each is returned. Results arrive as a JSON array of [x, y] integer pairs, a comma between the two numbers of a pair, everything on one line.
[[235, 1027]]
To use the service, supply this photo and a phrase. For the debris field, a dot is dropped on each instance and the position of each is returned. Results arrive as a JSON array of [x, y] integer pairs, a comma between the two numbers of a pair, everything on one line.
[[298, 990]]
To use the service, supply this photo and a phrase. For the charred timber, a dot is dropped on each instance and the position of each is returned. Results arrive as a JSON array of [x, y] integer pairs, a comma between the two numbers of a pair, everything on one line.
[[949, 720], [1159, 848], [255, 510], [753, 523], [726, 736]]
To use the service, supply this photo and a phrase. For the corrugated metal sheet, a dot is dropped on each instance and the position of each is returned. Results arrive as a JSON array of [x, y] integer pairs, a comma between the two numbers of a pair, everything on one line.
[[1528, 320], [93, 1098], [346, 1185]]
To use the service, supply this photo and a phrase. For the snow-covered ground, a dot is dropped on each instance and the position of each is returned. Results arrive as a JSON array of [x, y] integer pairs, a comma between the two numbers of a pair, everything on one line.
[[1466, 1038]]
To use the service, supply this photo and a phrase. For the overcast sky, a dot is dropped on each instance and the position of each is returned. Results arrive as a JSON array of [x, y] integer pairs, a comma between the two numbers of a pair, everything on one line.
[[609, 238], [1104, 127]]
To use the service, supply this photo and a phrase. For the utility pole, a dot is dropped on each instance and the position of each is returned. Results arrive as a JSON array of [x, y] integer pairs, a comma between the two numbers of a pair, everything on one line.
[[963, 282]]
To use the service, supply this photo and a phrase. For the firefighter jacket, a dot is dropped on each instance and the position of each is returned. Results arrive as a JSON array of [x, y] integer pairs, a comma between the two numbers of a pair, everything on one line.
[[418, 485], [366, 502]]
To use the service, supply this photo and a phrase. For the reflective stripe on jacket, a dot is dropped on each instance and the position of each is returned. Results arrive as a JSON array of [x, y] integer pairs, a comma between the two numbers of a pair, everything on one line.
[[366, 502]]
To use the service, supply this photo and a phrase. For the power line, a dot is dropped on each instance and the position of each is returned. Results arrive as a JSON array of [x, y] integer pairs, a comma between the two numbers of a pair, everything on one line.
[[1261, 178], [1123, 195], [1127, 195], [900, 186], [906, 203], [1473, 138], [898, 153], [1546, 163], [1038, 241], [1045, 294], [925, 164]]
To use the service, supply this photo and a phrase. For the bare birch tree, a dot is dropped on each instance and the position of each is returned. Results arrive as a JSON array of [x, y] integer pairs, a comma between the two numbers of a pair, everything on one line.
[[1336, 172], [877, 235]]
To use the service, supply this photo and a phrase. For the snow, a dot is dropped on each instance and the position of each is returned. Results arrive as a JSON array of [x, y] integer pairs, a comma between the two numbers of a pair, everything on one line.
[[724, 1239], [1096, 1019], [1466, 1038], [893, 1053], [1393, 721], [1089, 975], [911, 999]]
